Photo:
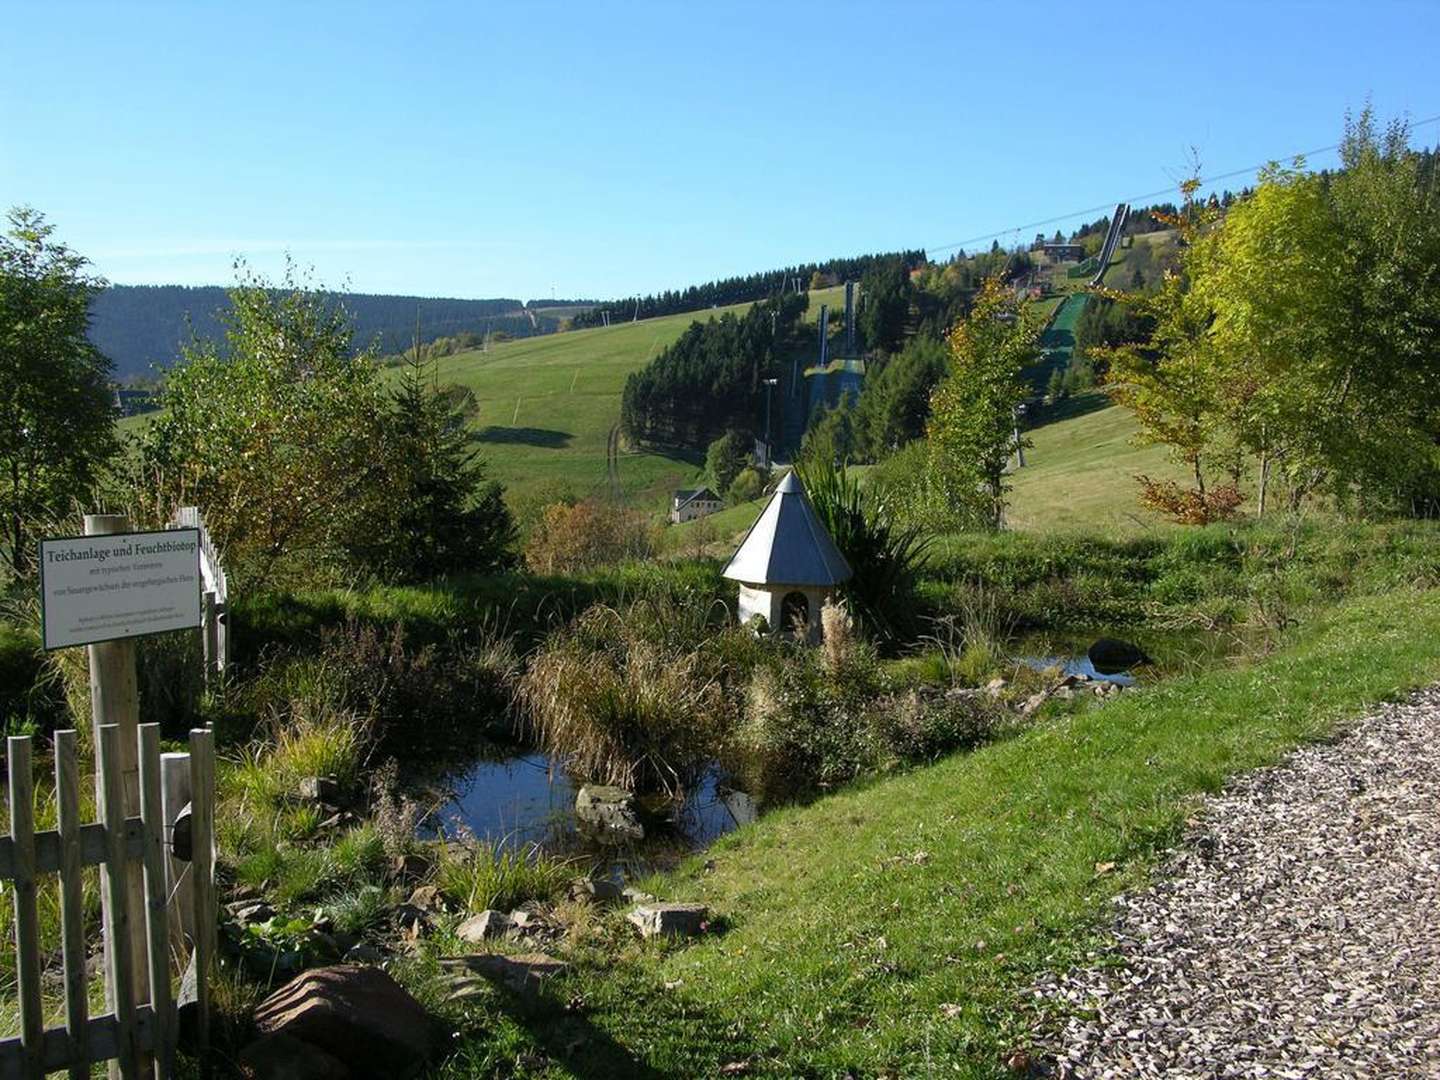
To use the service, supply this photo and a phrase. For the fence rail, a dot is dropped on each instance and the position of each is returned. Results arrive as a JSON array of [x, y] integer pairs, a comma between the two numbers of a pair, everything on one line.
[[138, 1028]]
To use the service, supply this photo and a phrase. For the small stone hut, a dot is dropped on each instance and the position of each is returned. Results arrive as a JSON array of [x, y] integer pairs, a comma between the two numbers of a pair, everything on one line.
[[787, 564]]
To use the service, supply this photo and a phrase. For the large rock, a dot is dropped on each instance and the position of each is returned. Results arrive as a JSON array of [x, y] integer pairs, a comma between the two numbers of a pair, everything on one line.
[[1110, 656], [611, 810], [281, 1057], [359, 1015], [669, 920]]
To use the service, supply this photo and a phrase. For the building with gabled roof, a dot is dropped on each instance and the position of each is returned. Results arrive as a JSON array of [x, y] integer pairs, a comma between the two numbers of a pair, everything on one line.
[[787, 564], [687, 504]]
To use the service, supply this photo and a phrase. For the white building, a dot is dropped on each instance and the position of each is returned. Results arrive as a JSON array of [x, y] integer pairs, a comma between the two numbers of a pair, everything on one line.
[[787, 564], [689, 504]]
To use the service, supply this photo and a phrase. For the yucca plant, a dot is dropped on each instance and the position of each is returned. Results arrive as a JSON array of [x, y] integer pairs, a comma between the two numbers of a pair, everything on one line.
[[885, 556]]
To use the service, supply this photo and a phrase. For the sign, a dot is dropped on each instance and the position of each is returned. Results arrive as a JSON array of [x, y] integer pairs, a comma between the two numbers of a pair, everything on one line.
[[120, 585]]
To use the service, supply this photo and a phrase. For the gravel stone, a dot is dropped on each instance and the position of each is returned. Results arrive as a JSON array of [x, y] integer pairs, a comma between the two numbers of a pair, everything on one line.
[[1294, 934]]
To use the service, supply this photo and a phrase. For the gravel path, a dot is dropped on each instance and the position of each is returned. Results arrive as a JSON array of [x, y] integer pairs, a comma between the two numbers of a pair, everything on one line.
[[1296, 932]]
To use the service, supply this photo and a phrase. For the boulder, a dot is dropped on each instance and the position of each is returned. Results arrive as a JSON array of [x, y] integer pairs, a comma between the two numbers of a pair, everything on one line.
[[1110, 656], [610, 810], [669, 920], [488, 924], [359, 1015], [410, 867], [281, 1057]]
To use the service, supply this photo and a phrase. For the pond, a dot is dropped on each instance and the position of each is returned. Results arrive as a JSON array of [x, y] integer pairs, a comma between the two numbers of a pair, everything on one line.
[[529, 799]]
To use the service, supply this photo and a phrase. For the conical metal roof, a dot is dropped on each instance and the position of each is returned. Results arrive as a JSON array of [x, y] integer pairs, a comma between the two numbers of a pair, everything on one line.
[[788, 545]]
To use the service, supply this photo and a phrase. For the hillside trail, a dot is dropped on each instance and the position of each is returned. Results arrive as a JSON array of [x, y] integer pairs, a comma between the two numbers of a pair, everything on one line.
[[1295, 933]]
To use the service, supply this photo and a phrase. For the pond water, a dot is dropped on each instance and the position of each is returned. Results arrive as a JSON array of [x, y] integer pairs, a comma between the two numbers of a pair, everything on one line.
[[530, 799]]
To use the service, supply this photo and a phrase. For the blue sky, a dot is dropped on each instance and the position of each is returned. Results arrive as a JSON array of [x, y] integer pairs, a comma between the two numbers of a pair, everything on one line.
[[598, 150]]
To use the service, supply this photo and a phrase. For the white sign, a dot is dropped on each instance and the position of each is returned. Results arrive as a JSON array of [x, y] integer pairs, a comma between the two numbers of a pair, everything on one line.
[[122, 585]]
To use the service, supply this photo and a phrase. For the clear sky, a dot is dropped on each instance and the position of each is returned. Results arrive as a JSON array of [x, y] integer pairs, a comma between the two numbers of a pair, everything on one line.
[[596, 150]]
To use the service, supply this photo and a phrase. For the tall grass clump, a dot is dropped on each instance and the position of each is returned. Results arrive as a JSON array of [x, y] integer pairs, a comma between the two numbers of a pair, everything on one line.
[[625, 703], [885, 555], [477, 877]]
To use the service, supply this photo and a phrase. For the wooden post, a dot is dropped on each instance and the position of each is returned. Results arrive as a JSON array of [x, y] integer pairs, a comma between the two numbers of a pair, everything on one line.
[[202, 869], [72, 907], [174, 795], [27, 918], [121, 960], [157, 937], [115, 700]]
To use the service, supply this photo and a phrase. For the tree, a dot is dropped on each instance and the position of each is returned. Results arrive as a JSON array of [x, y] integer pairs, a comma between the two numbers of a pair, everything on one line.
[[885, 291], [1303, 332], [727, 456], [973, 410], [434, 513], [895, 403], [278, 435], [56, 404]]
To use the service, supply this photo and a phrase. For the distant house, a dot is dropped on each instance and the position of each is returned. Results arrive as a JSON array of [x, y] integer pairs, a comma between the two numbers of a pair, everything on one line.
[[689, 504], [1065, 252], [134, 402]]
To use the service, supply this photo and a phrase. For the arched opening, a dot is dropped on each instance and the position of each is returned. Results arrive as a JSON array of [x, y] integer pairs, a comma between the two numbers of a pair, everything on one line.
[[795, 614]]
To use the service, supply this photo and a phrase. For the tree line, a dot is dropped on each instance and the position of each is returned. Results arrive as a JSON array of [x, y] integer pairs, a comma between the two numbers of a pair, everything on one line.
[[710, 378], [739, 290]]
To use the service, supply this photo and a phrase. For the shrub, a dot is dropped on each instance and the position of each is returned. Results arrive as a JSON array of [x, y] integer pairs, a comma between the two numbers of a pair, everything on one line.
[[920, 729], [568, 539], [623, 705], [1189, 506], [477, 877], [885, 556]]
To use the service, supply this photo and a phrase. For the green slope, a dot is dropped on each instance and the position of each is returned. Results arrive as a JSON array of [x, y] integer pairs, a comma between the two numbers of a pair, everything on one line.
[[547, 405]]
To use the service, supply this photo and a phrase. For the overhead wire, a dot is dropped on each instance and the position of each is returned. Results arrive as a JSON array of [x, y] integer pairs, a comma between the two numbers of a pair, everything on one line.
[[1132, 200]]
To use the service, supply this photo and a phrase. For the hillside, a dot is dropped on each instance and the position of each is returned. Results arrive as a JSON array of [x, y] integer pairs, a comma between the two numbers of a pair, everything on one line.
[[140, 326], [1078, 475], [548, 404]]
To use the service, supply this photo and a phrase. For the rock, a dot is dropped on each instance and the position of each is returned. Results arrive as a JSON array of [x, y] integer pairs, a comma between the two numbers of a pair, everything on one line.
[[488, 924], [996, 686], [597, 889], [1065, 693], [1110, 656], [281, 1057], [609, 809], [427, 898], [632, 895], [524, 920], [412, 919], [524, 973], [363, 953], [669, 920], [246, 912], [319, 789], [359, 1015]]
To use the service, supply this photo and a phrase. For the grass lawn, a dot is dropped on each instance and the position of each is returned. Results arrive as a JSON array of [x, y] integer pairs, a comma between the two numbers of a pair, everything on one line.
[[891, 929], [1080, 473]]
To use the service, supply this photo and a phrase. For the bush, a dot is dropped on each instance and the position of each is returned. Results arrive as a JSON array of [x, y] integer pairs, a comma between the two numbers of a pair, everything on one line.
[[625, 701], [584, 536]]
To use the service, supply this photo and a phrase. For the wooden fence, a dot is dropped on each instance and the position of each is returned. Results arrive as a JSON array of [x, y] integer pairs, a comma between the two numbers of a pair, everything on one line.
[[138, 1033]]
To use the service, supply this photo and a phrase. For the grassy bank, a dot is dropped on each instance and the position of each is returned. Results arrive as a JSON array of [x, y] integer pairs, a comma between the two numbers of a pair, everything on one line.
[[891, 929]]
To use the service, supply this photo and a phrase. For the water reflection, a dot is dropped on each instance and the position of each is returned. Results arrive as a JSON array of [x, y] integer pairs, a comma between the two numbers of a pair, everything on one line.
[[530, 799]]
